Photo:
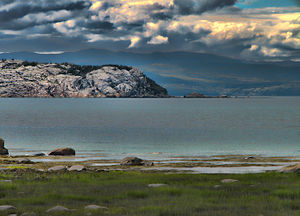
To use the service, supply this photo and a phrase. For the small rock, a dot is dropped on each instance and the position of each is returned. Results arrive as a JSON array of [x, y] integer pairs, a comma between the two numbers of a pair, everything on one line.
[[156, 185], [229, 181], [57, 168], [249, 157], [58, 209], [6, 180], [39, 154], [24, 161], [77, 168], [63, 152], [217, 186], [28, 214], [40, 170], [13, 215], [7, 208], [95, 207]]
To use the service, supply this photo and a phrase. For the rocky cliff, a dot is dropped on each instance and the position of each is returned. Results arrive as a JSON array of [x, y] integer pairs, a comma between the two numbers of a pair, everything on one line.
[[30, 79]]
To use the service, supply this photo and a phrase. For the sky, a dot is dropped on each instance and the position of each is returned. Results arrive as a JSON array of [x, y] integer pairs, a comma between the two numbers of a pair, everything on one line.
[[255, 30]]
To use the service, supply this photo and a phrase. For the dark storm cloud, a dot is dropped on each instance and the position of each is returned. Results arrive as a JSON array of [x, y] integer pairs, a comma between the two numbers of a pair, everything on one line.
[[187, 7], [99, 26], [21, 9]]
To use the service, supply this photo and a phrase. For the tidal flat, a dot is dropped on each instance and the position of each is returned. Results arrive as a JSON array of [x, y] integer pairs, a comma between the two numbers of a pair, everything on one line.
[[162, 189]]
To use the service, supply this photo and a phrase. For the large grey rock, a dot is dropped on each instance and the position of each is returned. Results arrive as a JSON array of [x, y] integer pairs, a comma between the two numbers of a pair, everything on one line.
[[135, 161], [24, 79], [58, 209], [95, 207], [131, 161], [1, 143], [77, 168], [57, 168], [3, 150], [63, 152], [7, 208]]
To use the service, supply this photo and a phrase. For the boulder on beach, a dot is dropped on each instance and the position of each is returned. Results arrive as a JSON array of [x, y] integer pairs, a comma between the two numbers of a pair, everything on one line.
[[62, 152], [135, 161], [77, 168], [291, 169], [57, 168], [3, 150], [1, 143], [131, 161]]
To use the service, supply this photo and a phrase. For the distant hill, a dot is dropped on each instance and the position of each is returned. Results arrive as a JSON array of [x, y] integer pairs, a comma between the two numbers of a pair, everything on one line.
[[183, 72], [31, 79]]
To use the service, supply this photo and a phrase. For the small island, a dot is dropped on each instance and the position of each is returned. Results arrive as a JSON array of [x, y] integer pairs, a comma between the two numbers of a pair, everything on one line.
[[199, 95]]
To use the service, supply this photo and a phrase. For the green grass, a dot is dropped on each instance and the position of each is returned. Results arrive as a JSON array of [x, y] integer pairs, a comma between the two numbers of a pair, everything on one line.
[[127, 193]]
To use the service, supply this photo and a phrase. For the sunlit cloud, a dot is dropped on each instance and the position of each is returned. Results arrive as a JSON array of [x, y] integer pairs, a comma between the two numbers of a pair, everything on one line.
[[189, 25], [158, 40]]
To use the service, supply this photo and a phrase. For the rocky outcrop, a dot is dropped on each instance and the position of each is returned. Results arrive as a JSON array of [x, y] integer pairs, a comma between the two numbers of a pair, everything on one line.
[[63, 152], [30, 79], [3, 150]]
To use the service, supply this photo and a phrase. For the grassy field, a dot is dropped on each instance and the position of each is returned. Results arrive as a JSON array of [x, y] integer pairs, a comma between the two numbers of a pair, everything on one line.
[[128, 193]]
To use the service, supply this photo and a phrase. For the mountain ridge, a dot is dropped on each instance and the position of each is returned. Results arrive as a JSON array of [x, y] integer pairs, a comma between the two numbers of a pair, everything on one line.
[[184, 72]]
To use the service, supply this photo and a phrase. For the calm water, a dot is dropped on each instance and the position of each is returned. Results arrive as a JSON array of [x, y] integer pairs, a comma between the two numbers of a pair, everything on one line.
[[114, 128]]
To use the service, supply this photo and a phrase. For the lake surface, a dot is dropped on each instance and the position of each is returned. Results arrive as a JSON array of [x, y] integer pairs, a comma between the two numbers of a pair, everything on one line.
[[153, 128]]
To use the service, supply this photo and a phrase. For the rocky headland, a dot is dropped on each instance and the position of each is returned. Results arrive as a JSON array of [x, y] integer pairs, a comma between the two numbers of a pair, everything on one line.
[[30, 79]]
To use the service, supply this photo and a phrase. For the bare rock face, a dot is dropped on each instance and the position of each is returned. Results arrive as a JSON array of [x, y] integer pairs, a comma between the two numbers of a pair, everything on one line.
[[30, 79], [63, 152], [3, 150]]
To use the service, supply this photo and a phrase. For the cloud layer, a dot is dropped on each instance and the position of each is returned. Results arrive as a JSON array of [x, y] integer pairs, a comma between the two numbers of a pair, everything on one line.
[[214, 26]]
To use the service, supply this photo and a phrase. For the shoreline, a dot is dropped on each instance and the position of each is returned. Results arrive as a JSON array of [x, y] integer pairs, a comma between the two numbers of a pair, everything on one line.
[[217, 164]]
